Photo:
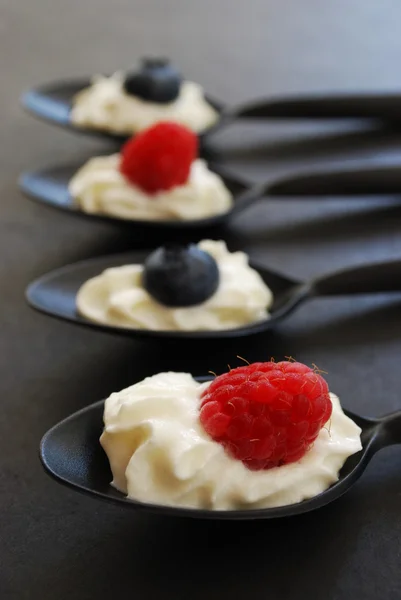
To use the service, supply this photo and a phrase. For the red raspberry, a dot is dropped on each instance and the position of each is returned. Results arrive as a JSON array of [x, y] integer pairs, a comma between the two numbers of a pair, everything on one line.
[[160, 157], [266, 414]]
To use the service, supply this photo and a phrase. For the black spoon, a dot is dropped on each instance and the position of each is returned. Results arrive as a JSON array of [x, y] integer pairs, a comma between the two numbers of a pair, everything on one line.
[[71, 453], [50, 187], [52, 102], [55, 293]]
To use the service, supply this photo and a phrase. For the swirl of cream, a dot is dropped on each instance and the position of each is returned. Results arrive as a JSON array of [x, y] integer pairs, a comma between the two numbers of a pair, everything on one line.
[[117, 297], [159, 452], [106, 105], [100, 188]]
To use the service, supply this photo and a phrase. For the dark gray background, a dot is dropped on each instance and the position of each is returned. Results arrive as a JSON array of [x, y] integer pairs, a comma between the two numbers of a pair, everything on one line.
[[58, 544]]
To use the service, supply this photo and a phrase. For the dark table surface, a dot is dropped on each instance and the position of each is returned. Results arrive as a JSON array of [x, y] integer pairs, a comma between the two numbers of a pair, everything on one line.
[[55, 543]]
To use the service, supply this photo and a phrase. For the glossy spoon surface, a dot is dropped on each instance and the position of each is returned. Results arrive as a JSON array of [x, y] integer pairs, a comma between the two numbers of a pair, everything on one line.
[[55, 293], [71, 453]]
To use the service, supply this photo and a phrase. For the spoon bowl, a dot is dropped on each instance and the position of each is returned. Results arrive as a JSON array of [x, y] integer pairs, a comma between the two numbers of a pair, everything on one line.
[[50, 187], [53, 103], [71, 453], [55, 293]]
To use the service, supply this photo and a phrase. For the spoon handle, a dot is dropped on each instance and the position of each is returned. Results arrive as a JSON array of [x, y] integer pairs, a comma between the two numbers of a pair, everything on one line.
[[364, 279], [377, 106], [348, 182], [390, 429]]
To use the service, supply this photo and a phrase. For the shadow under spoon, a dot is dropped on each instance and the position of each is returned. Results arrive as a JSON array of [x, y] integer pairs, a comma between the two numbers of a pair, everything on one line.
[[71, 453], [55, 293], [51, 187]]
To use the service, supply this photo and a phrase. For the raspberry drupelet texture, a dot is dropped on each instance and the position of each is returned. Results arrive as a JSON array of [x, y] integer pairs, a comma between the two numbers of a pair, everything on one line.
[[266, 414], [160, 157]]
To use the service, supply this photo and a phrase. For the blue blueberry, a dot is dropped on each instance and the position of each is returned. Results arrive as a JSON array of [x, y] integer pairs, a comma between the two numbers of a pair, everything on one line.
[[157, 81], [179, 276]]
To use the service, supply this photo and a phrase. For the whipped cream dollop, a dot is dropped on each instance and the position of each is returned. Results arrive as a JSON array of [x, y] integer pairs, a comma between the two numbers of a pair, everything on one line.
[[117, 297], [160, 454], [100, 188], [106, 105]]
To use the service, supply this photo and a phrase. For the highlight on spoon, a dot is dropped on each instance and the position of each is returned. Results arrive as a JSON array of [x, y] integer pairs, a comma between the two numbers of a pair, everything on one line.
[[72, 453]]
